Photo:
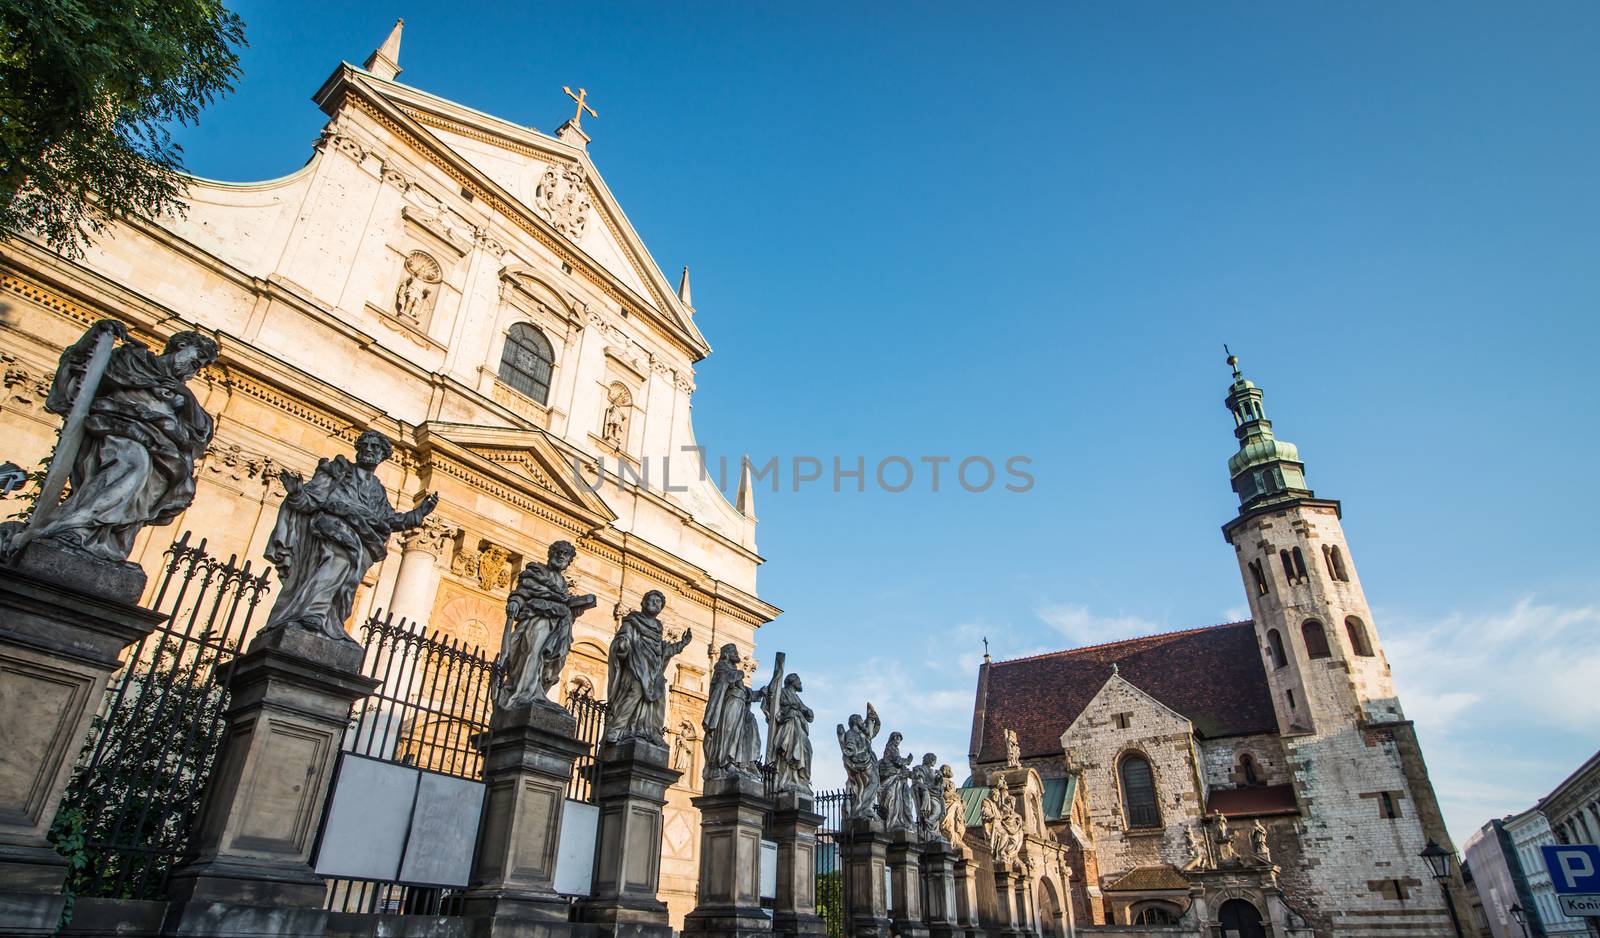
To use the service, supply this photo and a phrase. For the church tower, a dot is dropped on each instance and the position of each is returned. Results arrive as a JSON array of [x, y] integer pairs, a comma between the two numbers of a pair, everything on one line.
[[1367, 807]]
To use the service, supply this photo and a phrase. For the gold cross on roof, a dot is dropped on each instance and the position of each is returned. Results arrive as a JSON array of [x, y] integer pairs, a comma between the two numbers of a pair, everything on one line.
[[581, 98]]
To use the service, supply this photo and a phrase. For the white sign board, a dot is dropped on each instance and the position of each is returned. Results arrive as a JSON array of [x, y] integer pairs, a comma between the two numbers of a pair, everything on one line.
[[580, 835], [1580, 905], [769, 869], [444, 831], [396, 823]]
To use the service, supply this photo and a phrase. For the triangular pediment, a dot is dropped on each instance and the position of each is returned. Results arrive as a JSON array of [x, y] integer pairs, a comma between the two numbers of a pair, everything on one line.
[[549, 179], [527, 462]]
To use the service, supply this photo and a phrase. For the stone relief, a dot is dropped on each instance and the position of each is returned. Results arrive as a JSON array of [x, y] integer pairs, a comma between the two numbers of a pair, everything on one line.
[[418, 288], [636, 679], [232, 461], [732, 740], [683, 740], [130, 451], [894, 791], [580, 688], [490, 565], [329, 533], [538, 631], [861, 764], [22, 385], [1003, 826], [562, 199]]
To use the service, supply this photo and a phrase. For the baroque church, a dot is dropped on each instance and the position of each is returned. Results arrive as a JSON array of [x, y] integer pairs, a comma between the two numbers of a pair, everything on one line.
[[471, 288], [1240, 778]]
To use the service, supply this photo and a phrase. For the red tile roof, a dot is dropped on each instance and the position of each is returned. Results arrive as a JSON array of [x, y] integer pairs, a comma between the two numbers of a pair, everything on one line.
[[1260, 801], [1149, 879], [1213, 676]]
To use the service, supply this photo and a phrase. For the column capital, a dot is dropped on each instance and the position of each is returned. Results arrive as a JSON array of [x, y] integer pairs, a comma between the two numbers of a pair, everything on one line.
[[432, 535]]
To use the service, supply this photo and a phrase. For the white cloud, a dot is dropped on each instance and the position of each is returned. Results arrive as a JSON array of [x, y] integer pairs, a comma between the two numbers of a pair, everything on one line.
[[1081, 626]]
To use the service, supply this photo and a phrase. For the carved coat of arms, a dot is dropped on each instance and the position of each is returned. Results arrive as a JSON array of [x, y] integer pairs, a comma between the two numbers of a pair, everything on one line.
[[563, 199]]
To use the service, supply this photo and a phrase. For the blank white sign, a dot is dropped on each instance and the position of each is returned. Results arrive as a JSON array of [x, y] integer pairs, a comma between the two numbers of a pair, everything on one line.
[[580, 834], [365, 831], [444, 831], [769, 869]]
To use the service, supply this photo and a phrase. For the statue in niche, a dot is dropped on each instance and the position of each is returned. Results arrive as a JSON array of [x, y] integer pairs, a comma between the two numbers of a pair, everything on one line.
[[1013, 750], [329, 533], [926, 786], [861, 764], [1224, 839], [1258, 842], [789, 736], [732, 741], [538, 632], [130, 451], [953, 822], [683, 748], [614, 425], [636, 682], [413, 298], [894, 793]]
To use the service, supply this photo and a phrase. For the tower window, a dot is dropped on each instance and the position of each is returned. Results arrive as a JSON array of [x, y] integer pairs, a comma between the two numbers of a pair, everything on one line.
[[1260, 578], [1275, 645], [1358, 636], [1316, 640], [1247, 769], [1299, 564], [1290, 695], [1139, 792], [1387, 806], [1338, 565], [1288, 565], [527, 361]]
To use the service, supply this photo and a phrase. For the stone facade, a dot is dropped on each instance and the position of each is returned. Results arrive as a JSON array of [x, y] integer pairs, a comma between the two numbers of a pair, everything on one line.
[[380, 286]]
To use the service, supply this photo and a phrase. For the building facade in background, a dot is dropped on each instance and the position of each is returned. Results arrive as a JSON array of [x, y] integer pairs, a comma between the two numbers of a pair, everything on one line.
[[472, 289], [1243, 775], [1508, 869]]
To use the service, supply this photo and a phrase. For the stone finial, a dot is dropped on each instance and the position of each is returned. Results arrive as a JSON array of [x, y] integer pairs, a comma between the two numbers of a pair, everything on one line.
[[746, 502], [384, 61], [684, 293]]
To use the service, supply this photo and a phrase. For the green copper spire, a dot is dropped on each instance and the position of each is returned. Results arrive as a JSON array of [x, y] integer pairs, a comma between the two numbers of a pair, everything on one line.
[[1265, 469]]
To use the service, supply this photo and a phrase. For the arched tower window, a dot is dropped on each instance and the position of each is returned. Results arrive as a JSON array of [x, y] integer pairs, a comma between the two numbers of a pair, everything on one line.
[[1139, 792], [1316, 639], [1275, 645], [527, 362], [1259, 575], [1338, 565], [1358, 636], [1288, 565], [1299, 564], [1247, 769]]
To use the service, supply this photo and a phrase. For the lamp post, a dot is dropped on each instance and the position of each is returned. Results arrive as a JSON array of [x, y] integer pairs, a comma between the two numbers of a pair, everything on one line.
[[1519, 916], [1439, 862]]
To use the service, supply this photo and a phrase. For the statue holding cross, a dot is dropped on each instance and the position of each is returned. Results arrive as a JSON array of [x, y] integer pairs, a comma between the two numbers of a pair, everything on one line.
[[788, 730]]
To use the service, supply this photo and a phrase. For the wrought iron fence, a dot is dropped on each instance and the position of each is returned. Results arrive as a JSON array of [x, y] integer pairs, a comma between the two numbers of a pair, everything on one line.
[[591, 716], [129, 808], [831, 881]]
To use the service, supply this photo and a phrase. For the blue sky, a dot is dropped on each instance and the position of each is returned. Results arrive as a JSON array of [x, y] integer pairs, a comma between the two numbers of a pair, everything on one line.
[[941, 230]]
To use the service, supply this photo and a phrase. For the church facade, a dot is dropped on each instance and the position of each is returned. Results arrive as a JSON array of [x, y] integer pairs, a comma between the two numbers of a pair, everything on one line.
[[472, 289], [1248, 779]]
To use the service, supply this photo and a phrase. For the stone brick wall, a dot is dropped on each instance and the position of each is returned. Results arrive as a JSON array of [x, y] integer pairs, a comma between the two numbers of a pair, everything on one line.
[[1221, 763]]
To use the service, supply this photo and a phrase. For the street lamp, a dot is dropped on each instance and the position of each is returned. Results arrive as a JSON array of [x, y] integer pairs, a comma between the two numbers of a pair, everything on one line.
[[1519, 916], [1439, 862]]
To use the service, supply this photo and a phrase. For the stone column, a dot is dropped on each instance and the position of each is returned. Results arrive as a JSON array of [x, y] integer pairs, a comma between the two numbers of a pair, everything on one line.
[[905, 878], [248, 865], [1005, 903], [630, 792], [939, 889], [865, 850], [527, 763], [729, 901], [794, 827], [416, 584], [64, 623], [1026, 917], [966, 897]]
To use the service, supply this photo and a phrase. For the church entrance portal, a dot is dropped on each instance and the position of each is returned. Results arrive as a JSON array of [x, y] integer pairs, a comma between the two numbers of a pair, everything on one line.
[[1241, 920]]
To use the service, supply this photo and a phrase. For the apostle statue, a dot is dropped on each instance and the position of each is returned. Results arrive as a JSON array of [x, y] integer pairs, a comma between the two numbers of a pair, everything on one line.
[[128, 446], [925, 785], [789, 735], [953, 822], [636, 684], [732, 742], [861, 764], [1258, 842], [894, 795], [538, 632], [330, 531]]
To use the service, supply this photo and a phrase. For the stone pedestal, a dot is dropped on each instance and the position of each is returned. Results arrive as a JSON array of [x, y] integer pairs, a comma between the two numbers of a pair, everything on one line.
[[939, 889], [248, 866], [65, 620], [729, 902], [794, 827], [630, 792], [904, 855], [528, 756], [1005, 904], [865, 849], [966, 897], [1026, 913]]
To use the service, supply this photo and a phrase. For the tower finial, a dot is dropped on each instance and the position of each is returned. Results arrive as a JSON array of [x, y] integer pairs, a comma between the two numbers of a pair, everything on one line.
[[986, 649], [1233, 360], [384, 61]]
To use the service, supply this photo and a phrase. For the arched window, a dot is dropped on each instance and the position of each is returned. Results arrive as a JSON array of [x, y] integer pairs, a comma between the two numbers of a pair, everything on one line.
[[1358, 636], [1316, 640], [527, 361], [1338, 565], [1155, 914], [1247, 769], [1288, 565], [1299, 564], [1275, 645], [1139, 792], [1259, 575]]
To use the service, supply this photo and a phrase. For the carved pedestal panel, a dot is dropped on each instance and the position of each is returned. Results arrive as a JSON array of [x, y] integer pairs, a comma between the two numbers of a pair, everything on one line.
[[865, 848], [904, 856], [630, 792], [528, 756], [966, 897], [794, 827], [63, 628], [248, 865], [1007, 922], [729, 903], [939, 889]]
